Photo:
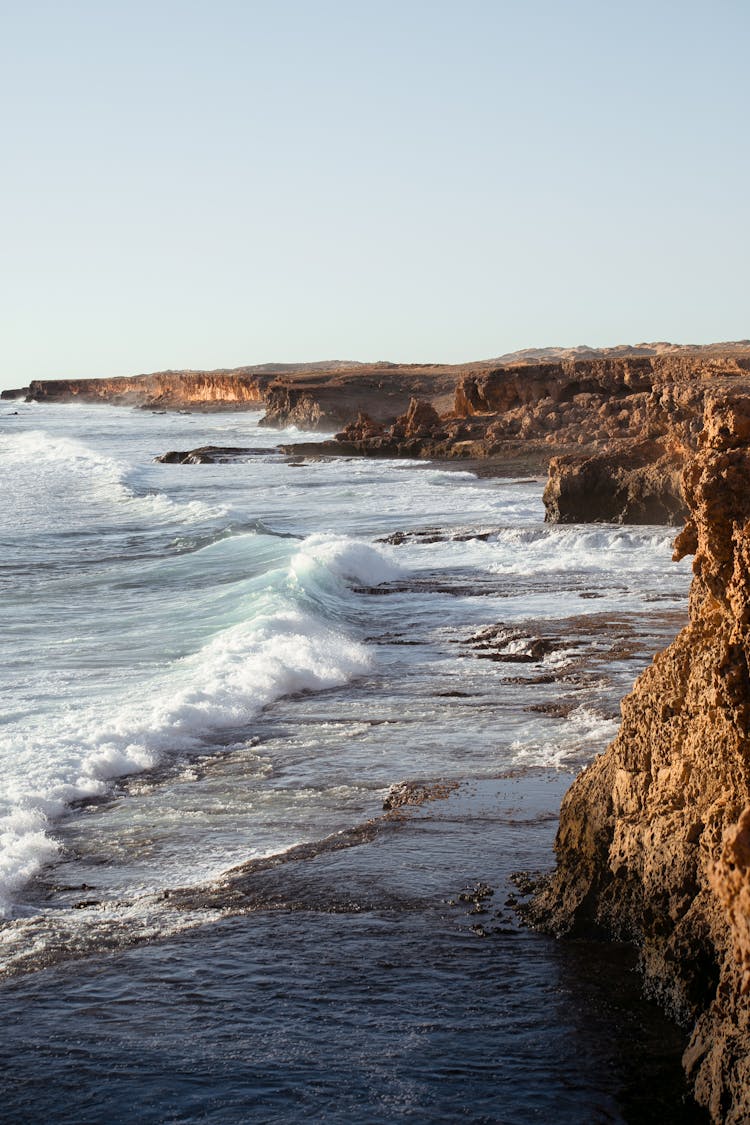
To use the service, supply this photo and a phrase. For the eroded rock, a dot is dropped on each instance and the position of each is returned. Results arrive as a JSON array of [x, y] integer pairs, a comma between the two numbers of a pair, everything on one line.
[[637, 482], [654, 837]]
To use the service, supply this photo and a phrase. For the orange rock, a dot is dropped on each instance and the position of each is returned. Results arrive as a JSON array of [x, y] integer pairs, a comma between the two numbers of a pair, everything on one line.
[[654, 837]]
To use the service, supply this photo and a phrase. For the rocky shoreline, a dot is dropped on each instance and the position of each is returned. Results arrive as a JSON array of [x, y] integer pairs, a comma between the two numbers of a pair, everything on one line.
[[614, 428], [654, 839]]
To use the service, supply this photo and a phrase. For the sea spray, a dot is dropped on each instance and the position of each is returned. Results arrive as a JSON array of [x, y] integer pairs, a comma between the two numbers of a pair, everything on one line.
[[289, 642]]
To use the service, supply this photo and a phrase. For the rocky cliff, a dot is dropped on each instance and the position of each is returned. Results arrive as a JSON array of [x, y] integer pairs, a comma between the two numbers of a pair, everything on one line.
[[631, 481], [163, 390], [615, 426], [564, 405], [654, 838], [314, 396], [328, 400]]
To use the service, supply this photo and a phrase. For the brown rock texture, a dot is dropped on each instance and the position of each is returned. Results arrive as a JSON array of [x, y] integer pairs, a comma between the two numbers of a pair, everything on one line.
[[382, 392], [615, 430], [615, 425], [164, 390], [635, 482], [654, 838]]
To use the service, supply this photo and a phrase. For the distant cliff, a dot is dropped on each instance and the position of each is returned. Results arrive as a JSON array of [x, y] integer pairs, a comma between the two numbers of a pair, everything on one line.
[[615, 431], [312, 396], [654, 837], [165, 390], [614, 426]]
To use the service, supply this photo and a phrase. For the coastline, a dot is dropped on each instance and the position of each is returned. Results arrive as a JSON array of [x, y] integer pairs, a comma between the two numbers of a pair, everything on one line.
[[723, 424]]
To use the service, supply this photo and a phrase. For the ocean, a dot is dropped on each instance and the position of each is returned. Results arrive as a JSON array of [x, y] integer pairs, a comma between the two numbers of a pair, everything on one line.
[[212, 677]]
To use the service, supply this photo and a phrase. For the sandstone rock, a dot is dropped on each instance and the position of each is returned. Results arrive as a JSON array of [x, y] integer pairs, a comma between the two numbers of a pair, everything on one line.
[[654, 837], [363, 428], [518, 414], [637, 482], [421, 420], [167, 390]]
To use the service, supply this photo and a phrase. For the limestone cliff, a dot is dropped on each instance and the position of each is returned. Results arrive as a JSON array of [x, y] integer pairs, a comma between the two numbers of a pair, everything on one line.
[[654, 837], [326, 401], [163, 390], [615, 426], [630, 482], [614, 430]]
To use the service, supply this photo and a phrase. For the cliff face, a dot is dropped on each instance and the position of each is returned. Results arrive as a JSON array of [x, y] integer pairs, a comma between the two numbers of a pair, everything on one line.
[[165, 390], [654, 837], [327, 401], [615, 427], [632, 482], [311, 396], [616, 431]]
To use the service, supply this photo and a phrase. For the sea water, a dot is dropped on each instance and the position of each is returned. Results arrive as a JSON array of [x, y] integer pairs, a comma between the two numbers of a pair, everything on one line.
[[208, 664]]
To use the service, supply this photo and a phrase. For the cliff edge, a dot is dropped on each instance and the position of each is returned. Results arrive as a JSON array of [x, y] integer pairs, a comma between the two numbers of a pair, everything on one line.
[[654, 839]]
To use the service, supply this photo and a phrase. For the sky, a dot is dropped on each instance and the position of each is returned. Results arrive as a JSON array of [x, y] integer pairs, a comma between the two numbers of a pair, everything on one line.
[[209, 184]]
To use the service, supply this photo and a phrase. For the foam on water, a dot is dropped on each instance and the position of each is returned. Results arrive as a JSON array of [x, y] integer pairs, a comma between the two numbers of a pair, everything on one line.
[[586, 731], [527, 551], [44, 474], [153, 610], [288, 642]]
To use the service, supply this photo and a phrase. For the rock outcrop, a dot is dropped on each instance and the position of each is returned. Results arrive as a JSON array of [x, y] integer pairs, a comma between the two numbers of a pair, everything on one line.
[[636, 482], [615, 431], [213, 454], [382, 392], [169, 390], [654, 838], [615, 425]]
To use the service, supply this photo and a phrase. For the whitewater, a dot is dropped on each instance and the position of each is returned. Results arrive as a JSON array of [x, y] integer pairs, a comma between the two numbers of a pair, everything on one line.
[[205, 666], [152, 611]]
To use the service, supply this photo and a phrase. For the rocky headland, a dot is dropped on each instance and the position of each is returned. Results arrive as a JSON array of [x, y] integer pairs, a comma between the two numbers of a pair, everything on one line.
[[614, 427], [614, 432], [654, 840]]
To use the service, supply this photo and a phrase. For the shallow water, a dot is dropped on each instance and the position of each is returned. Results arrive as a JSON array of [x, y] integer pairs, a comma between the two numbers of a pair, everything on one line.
[[205, 665]]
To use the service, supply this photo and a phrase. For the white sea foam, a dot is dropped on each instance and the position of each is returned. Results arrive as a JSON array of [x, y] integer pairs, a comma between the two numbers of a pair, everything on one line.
[[583, 549], [349, 559], [44, 473], [24, 848], [210, 696], [583, 733]]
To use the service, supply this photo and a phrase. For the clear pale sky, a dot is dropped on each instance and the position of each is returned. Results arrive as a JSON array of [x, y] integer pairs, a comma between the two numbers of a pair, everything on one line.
[[210, 184]]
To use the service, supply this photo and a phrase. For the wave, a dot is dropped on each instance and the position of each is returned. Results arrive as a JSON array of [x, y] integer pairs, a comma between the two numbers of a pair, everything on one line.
[[42, 470], [586, 731], [289, 640], [583, 549]]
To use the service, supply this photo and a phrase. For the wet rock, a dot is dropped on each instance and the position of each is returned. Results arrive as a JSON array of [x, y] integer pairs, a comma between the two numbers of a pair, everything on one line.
[[417, 793], [212, 454], [511, 646]]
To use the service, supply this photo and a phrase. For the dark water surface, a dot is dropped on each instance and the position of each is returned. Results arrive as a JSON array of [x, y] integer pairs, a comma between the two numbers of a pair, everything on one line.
[[361, 993]]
